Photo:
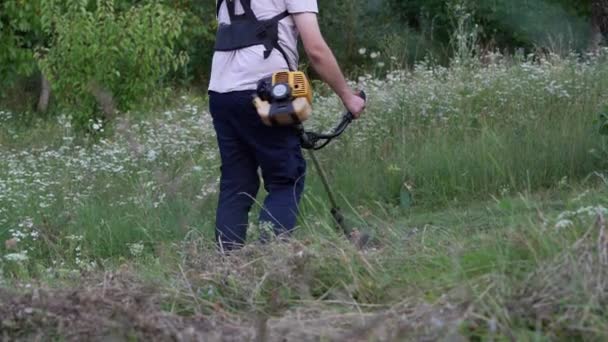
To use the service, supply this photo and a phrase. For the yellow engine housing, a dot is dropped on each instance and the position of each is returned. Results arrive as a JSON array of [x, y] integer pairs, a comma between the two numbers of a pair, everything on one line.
[[297, 80], [294, 111]]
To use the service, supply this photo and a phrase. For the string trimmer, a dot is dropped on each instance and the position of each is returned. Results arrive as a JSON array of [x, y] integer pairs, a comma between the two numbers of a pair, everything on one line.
[[285, 99], [312, 141]]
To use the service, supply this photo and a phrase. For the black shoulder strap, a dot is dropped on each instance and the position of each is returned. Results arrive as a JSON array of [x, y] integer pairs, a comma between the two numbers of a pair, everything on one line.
[[247, 8], [231, 9], [275, 40], [246, 4], [277, 45], [217, 10], [281, 16], [239, 33]]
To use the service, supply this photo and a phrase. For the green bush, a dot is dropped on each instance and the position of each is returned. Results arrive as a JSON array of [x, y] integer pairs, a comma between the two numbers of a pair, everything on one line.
[[504, 23], [20, 33], [72, 44], [197, 40], [125, 54]]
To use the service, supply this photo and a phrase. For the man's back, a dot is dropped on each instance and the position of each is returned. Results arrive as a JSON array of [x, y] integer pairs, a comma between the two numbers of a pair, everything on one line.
[[241, 69]]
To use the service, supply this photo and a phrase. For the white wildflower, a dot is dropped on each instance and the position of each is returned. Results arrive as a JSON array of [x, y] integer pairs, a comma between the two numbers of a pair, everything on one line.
[[151, 155], [566, 215], [136, 249], [561, 224], [17, 257], [75, 237]]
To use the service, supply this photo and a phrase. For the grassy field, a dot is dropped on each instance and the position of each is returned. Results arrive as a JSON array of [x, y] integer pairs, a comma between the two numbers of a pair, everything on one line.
[[109, 235]]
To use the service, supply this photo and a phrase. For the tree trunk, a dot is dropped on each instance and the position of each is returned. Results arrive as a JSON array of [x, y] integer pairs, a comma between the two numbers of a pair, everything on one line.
[[105, 100], [45, 94], [599, 23]]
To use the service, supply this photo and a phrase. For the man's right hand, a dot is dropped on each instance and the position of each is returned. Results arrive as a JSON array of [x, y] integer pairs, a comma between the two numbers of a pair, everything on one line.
[[354, 104]]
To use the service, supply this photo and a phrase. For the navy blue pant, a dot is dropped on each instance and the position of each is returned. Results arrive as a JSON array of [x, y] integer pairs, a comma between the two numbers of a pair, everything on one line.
[[245, 144]]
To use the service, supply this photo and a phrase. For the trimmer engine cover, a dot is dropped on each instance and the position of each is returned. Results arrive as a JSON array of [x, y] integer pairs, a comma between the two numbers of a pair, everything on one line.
[[284, 99]]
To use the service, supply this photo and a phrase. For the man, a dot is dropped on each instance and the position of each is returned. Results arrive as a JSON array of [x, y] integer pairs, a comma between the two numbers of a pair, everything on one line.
[[255, 39]]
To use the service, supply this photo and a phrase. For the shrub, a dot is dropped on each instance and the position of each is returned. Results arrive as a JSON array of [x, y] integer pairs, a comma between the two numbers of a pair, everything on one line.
[[122, 54], [20, 31]]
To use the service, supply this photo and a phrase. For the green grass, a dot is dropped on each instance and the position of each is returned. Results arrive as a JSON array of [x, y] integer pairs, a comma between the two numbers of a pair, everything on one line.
[[492, 257], [494, 158], [506, 137]]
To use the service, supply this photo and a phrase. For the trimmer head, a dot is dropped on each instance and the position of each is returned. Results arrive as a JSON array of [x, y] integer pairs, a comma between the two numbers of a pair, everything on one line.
[[358, 238], [315, 141]]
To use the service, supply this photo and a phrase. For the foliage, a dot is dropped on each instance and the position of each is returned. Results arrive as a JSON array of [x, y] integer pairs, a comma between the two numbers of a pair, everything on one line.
[[367, 36], [125, 53], [196, 39], [504, 23], [20, 33], [603, 123]]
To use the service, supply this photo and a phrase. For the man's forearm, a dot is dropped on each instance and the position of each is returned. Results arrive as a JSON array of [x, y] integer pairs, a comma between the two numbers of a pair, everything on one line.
[[325, 64]]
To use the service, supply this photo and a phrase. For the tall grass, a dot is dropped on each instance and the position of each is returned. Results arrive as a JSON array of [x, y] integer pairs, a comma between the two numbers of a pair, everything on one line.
[[471, 132]]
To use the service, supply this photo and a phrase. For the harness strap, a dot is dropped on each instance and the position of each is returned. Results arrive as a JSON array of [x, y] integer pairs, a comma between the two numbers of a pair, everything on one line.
[[232, 11], [273, 39], [267, 30], [281, 16], [217, 9], [231, 5], [247, 8], [278, 46]]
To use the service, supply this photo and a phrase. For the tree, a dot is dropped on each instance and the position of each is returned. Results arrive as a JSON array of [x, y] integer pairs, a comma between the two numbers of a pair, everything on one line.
[[100, 60], [599, 22], [20, 34]]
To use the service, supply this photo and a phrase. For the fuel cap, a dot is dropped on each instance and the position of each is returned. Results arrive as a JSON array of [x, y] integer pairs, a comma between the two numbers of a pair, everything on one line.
[[280, 92]]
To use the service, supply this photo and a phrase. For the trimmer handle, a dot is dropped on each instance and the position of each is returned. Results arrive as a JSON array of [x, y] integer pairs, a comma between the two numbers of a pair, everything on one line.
[[349, 116], [316, 141]]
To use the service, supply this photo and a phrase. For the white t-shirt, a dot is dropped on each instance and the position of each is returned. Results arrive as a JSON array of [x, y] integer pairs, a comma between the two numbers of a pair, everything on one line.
[[242, 69]]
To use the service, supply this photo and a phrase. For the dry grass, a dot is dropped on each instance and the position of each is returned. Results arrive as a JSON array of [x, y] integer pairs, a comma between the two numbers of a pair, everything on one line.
[[119, 307], [267, 293], [567, 296]]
